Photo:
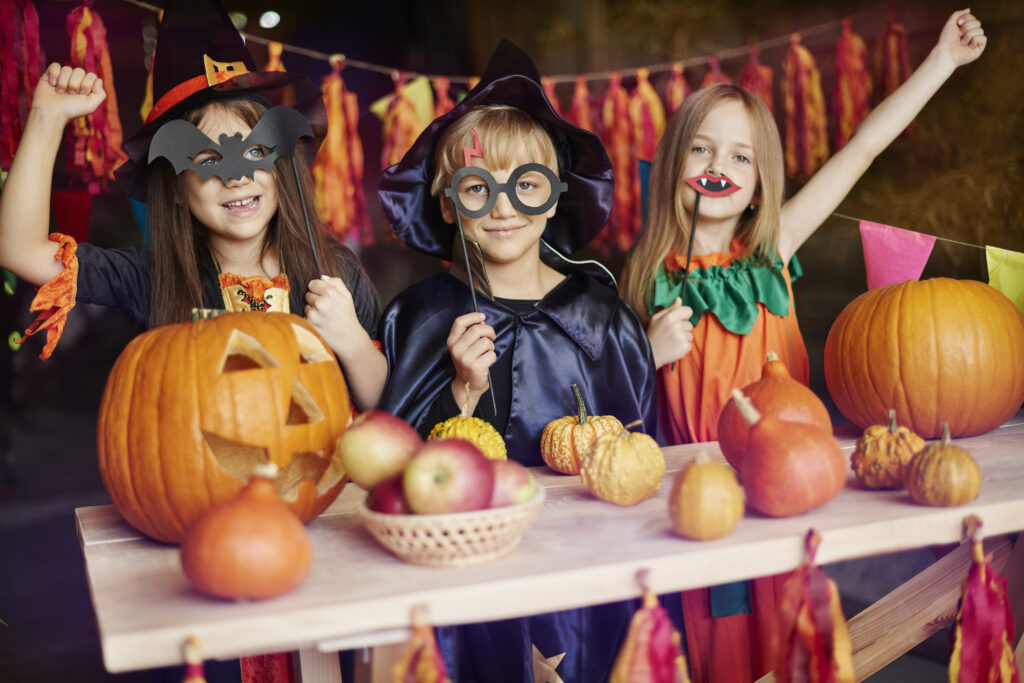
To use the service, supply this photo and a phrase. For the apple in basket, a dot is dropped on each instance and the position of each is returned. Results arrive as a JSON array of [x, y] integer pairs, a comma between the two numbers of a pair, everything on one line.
[[387, 497], [377, 445], [448, 475], [513, 483]]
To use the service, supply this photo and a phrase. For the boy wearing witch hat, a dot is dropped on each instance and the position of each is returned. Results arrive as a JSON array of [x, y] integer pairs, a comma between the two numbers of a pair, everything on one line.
[[507, 190], [228, 199]]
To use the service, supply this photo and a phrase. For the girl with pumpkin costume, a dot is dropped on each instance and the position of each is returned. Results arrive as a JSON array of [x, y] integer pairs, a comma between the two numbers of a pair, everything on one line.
[[738, 290], [229, 233]]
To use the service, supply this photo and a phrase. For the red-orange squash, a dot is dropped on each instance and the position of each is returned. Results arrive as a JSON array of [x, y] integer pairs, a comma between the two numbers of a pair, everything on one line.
[[789, 468], [189, 409], [935, 350], [776, 394]]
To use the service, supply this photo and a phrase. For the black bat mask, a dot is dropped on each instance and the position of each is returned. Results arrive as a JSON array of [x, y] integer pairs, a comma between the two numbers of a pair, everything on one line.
[[277, 133]]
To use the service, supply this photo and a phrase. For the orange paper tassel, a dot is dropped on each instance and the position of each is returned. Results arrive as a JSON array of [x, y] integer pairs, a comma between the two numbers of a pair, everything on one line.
[[95, 140], [806, 143], [548, 83], [422, 661], [338, 167], [677, 89], [813, 644], [20, 69], [579, 112], [983, 636], [442, 100], [400, 125], [616, 137], [715, 75], [274, 62], [852, 98], [653, 650], [647, 117], [892, 64], [757, 78]]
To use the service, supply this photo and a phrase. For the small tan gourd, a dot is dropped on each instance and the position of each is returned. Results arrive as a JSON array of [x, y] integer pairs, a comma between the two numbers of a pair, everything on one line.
[[623, 468], [943, 474], [706, 501]]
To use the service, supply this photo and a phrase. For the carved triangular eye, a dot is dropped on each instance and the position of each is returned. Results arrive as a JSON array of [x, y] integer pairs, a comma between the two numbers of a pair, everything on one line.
[[303, 408], [237, 459], [243, 352], [311, 349], [306, 466]]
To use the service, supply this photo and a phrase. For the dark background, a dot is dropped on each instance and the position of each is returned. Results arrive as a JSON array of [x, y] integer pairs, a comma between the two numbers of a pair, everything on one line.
[[956, 176]]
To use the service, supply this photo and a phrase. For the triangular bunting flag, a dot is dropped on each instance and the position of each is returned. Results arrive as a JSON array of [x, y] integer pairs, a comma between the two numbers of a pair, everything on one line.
[[1006, 273], [893, 255]]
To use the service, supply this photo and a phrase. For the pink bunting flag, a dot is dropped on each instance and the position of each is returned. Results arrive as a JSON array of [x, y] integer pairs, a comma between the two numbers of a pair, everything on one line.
[[1006, 273], [893, 255]]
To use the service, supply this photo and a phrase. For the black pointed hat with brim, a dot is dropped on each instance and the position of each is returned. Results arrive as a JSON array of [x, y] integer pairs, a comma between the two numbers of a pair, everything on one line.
[[201, 57], [511, 79]]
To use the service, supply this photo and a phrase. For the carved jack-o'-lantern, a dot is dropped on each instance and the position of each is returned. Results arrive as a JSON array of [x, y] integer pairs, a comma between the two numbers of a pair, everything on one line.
[[189, 409]]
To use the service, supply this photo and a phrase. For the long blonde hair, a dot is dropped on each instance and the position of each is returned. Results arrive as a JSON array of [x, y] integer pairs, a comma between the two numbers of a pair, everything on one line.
[[668, 222]]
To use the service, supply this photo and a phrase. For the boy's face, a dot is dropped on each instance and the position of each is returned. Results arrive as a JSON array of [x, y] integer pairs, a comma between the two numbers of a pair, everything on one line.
[[505, 234]]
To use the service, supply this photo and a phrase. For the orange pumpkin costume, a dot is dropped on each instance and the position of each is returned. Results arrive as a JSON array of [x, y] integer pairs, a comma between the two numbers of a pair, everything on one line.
[[741, 311]]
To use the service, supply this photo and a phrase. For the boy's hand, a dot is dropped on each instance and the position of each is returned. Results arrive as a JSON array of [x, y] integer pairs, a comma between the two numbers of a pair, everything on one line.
[[962, 39], [68, 92], [471, 345], [670, 333]]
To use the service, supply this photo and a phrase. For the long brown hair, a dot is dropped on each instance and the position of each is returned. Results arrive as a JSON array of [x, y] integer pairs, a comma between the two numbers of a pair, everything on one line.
[[668, 222], [179, 240]]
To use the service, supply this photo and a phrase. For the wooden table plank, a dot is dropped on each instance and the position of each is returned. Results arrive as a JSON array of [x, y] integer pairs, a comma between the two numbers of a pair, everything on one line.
[[580, 551]]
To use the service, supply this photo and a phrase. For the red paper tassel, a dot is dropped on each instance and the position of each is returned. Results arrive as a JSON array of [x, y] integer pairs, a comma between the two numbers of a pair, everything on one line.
[[442, 100], [400, 125], [814, 645], [274, 668], [20, 70], [647, 117], [715, 75], [983, 636], [95, 140], [579, 112], [548, 83], [806, 143], [757, 78], [338, 167], [653, 650], [852, 98], [677, 89], [617, 135]]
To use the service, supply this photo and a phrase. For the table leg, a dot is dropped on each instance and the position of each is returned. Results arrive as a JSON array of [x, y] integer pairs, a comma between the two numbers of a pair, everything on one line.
[[313, 666]]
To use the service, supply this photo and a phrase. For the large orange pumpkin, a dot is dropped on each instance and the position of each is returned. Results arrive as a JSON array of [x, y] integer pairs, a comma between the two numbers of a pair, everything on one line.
[[935, 350], [189, 409]]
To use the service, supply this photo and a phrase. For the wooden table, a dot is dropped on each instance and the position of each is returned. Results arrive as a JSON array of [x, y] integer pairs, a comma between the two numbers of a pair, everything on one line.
[[579, 551]]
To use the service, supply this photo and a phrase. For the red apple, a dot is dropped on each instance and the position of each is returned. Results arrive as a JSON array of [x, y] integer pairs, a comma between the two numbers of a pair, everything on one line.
[[513, 483], [388, 497], [448, 475], [377, 445]]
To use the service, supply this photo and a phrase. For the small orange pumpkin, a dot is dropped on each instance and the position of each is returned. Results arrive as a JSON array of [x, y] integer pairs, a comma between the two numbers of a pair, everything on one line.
[[705, 501], [565, 440], [943, 474], [250, 547], [882, 452], [623, 468]]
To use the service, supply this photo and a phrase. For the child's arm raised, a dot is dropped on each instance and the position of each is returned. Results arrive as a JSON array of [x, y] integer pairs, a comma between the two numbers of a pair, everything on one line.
[[61, 95], [960, 42]]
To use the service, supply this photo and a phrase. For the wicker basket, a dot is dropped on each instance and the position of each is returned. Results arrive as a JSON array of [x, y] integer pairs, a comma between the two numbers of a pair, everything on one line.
[[453, 540]]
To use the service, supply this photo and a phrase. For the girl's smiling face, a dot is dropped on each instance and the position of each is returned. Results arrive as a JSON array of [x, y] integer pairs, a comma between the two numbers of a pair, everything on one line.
[[723, 146], [240, 209]]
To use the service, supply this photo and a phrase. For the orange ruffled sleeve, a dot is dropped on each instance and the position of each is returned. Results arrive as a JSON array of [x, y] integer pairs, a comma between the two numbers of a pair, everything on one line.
[[56, 298]]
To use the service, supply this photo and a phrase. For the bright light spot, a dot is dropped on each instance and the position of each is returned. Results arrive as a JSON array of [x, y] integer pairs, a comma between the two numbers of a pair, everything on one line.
[[270, 19]]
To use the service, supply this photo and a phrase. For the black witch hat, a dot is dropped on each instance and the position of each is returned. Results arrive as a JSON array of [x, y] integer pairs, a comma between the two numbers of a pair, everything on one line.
[[201, 57], [511, 79]]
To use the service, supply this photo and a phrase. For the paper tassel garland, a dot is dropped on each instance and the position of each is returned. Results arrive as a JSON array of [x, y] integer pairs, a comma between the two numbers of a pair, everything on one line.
[[677, 89], [400, 124], [442, 100], [338, 167], [892, 64], [422, 661], [548, 84], [20, 69], [95, 140], [851, 100], [806, 144], [1006, 273], [893, 255], [616, 137], [652, 651], [813, 645], [715, 74], [983, 635], [757, 77], [579, 111]]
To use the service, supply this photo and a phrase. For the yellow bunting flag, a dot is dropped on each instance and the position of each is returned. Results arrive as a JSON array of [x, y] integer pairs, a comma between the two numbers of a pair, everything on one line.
[[806, 142], [1006, 273]]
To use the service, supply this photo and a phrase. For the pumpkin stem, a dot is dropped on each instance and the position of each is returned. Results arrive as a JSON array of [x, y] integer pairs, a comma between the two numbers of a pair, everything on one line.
[[892, 421], [746, 407], [945, 433], [771, 357], [580, 408], [634, 423]]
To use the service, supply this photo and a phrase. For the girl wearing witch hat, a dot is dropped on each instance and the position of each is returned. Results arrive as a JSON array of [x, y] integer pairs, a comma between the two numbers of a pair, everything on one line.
[[221, 171], [506, 190]]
